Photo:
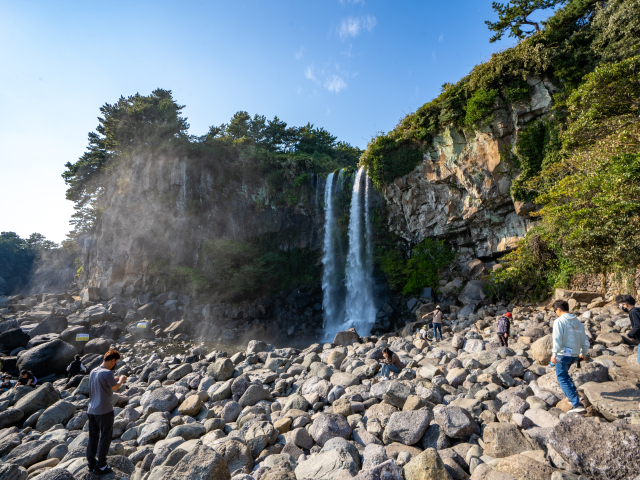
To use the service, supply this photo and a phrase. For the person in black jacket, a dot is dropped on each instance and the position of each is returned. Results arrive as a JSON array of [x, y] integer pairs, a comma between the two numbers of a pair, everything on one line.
[[75, 368], [628, 304]]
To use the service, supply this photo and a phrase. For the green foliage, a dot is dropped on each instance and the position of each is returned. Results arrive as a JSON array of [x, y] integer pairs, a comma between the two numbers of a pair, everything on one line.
[[514, 15], [480, 107], [17, 256], [618, 30], [428, 260], [538, 144], [388, 159], [236, 270]]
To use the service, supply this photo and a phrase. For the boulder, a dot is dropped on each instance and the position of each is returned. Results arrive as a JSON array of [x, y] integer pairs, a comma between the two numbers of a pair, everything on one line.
[[541, 350], [52, 324], [58, 413], [191, 406], [70, 334], [11, 471], [253, 395], [326, 465], [503, 440], [202, 463], [613, 399], [10, 416], [97, 346], [222, 369], [524, 467], [472, 293], [426, 466], [408, 427], [48, 358], [346, 338], [161, 399], [329, 425], [236, 455], [38, 398], [30, 453], [597, 450], [12, 339], [456, 422], [590, 372]]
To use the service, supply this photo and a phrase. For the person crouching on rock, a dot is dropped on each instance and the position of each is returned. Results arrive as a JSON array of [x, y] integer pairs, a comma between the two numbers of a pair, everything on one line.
[[102, 384], [627, 304], [422, 333], [391, 363], [504, 328], [26, 378], [75, 368], [570, 345]]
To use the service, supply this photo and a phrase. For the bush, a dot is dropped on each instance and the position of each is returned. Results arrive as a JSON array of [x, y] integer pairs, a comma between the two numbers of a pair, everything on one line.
[[480, 107]]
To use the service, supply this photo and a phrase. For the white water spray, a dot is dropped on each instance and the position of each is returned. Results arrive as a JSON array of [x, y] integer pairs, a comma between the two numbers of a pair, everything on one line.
[[331, 285], [360, 307]]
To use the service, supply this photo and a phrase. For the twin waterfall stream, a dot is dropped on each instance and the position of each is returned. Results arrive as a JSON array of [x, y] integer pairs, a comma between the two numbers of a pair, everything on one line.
[[347, 290]]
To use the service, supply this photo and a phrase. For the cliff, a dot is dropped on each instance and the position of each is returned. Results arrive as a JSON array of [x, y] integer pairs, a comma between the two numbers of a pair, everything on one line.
[[159, 211], [460, 190]]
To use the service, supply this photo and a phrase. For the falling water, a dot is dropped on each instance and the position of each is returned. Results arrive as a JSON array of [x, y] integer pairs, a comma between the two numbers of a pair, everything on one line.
[[360, 308], [332, 303]]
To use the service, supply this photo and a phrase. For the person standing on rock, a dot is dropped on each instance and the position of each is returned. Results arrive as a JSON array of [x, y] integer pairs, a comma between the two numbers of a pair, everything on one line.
[[570, 345], [627, 304], [75, 368], [437, 322], [102, 384], [504, 328]]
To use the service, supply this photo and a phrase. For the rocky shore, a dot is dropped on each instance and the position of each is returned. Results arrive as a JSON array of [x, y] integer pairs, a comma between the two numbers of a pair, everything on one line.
[[462, 408]]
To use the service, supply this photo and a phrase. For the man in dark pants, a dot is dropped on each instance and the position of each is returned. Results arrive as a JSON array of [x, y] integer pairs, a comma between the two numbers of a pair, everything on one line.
[[102, 384]]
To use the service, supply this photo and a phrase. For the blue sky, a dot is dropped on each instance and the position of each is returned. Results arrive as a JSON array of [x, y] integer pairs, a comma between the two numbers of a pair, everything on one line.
[[352, 67]]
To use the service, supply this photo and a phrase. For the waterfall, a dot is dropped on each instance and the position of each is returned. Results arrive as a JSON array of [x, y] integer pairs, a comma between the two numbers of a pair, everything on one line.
[[332, 300], [360, 307]]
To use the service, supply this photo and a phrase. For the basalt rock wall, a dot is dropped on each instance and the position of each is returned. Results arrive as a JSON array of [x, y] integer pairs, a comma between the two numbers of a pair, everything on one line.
[[460, 190], [162, 208]]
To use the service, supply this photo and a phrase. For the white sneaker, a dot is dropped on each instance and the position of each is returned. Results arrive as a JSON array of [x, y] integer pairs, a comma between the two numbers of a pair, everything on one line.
[[577, 410]]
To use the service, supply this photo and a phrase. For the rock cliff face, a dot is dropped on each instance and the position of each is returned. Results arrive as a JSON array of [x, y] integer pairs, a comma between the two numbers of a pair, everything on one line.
[[163, 208], [460, 191]]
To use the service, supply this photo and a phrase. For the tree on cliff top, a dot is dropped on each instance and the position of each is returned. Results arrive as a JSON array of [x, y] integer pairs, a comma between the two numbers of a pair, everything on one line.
[[514, 15], [129, 123]]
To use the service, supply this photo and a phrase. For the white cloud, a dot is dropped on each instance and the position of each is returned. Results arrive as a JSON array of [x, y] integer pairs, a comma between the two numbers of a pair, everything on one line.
[[310, 74], [299, 53], [335, 84], [441, 39], [351, 27]]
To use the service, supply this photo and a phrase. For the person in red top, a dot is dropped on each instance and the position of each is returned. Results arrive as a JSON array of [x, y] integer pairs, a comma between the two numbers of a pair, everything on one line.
[[504, 328]]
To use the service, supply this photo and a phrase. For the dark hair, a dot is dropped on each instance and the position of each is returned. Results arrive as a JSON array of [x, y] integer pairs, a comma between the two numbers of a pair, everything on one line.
[[112, 354], [387, 351], [25, 372], [628, 299], [77, 357], [561, 304]]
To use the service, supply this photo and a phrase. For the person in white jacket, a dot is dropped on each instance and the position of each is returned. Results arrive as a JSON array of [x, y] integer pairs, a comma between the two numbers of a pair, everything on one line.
[[570, 345]]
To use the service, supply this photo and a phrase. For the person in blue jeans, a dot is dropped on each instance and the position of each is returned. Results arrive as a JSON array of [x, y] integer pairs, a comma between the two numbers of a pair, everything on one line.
[[437, 322], [570, 345], [391, 363], [627, 304]]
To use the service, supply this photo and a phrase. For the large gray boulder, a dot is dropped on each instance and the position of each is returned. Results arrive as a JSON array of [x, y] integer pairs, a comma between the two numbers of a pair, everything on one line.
[[472, 293], [58, 413], [42, 397], [97, 346], [70, 334], [202, 463], [10, 416], [161, 399], [236, 455], [503, 440], [222, 369], [48, 358], [329, 425], [52, 324], [456, 422], [346, 338], [597, 450], [408, 427], [9, 471], [30, 453], [12, 339], [325, 466]]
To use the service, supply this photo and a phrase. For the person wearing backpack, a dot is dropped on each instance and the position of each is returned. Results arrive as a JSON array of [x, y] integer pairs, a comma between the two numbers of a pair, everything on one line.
[[504, 329], [75, 368], [570, 345]]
